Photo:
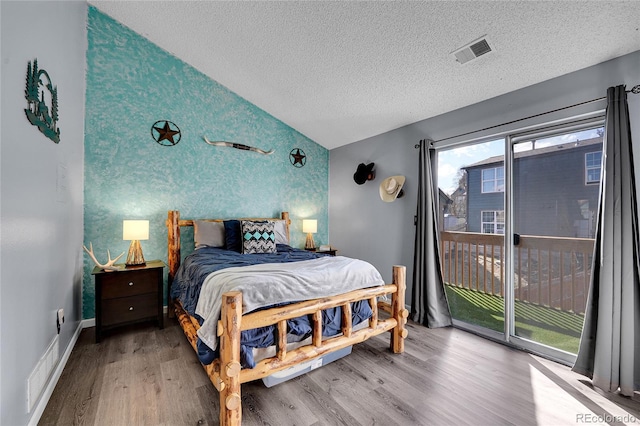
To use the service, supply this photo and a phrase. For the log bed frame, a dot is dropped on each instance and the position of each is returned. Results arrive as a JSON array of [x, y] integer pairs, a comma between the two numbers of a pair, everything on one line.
[[225, 372]]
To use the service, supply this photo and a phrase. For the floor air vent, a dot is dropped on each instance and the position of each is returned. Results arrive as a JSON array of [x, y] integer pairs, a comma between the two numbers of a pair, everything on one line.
[[472, 50]]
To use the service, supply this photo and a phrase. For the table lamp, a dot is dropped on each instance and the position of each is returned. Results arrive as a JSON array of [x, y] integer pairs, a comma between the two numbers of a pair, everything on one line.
[[135, 230], [310, 226]]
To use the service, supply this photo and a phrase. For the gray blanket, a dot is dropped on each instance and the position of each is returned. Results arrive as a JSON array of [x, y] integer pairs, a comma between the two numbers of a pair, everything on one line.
[[272, 283]]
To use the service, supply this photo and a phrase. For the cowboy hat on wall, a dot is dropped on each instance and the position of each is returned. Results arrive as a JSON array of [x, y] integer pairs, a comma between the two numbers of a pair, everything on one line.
[[364, 173], [391, 188]]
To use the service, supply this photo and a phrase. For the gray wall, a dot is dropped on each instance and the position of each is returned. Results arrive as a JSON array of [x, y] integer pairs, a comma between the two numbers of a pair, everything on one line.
[[40, 252], [363, 226]]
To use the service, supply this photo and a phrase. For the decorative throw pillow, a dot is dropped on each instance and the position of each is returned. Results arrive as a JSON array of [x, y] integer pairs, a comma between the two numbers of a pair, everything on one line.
[[232, 235], [208, 234], [258, 237]]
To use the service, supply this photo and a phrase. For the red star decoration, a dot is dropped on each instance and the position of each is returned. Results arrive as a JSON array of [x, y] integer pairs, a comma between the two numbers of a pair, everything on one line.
[[298, 158], [166, 133]]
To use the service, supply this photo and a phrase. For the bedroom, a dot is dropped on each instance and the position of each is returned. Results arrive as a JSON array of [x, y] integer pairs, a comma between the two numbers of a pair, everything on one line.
[[42, 234]]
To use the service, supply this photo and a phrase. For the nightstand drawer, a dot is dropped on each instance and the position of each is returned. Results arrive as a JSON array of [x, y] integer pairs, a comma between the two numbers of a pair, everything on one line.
[[131, 283], [116, 311]]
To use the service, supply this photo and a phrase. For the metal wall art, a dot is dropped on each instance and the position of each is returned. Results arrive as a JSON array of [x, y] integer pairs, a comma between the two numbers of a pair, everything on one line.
[[165, 133], [297, 157], [44, 116], [238, 146]]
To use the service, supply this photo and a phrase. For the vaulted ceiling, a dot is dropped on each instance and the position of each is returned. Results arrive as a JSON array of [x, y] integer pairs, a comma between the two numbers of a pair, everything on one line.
[[340, 71]]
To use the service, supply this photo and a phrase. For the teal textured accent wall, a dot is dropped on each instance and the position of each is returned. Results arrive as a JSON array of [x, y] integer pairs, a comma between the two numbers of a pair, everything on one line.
[[132, 83]]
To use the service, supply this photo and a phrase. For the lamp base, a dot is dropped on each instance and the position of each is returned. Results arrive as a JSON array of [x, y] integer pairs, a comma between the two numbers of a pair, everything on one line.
[[135, 257], [309, 244]]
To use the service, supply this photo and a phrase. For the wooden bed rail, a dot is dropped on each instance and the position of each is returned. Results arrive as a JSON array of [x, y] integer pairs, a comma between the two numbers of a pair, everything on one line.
[[274, 315]]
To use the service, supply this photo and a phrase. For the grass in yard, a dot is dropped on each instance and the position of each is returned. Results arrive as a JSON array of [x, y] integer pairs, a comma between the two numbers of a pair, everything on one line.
[[548, 326]]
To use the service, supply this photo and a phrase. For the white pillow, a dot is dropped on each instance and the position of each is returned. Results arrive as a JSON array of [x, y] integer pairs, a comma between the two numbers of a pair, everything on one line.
[[280, 230], [208, 234]]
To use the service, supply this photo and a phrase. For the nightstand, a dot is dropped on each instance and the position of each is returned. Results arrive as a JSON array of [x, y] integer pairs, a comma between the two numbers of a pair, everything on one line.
[[331, 252], [128, 295]]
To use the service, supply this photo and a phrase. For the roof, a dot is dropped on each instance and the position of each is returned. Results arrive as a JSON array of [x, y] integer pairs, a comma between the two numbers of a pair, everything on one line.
[[539, 151]]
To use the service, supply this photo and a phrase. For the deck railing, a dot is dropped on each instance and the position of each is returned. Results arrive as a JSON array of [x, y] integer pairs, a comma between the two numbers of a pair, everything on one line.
[[548, 271]]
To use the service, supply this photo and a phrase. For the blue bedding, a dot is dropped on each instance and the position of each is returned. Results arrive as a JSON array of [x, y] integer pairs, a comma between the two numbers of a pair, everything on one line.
[[199, 264]]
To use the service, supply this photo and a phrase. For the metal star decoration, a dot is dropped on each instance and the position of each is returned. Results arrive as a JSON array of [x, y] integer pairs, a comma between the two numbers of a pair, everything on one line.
[[297, 157], [168, 132]]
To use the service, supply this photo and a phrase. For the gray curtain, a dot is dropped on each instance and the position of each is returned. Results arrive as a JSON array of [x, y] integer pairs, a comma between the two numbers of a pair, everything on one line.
[[429, 302], [610, 338]]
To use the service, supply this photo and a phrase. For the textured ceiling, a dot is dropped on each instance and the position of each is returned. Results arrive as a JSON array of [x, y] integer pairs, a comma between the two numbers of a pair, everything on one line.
[[340, 72]]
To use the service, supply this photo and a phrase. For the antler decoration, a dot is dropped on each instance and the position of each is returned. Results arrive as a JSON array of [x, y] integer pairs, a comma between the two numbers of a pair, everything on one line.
[[107, 266], [238, 146]]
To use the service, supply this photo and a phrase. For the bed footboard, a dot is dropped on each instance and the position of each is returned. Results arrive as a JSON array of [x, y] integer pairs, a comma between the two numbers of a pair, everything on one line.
[[226, 373]]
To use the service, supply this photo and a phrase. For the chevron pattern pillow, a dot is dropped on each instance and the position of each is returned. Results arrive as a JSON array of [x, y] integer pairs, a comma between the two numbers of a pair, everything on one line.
[[258, 237]]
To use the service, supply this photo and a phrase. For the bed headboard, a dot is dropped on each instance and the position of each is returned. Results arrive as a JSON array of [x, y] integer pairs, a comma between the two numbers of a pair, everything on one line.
[[174, 223]]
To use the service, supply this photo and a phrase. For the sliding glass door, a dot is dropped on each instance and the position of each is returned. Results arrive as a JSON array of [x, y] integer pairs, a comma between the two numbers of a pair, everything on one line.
[[471, 202], [516, 235], [554, 188]]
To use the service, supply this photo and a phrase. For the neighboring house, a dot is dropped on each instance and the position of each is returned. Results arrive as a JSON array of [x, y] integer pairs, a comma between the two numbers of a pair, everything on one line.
[[448, 217], [445, 203], [556, 191], [455, 218], [459, 197]]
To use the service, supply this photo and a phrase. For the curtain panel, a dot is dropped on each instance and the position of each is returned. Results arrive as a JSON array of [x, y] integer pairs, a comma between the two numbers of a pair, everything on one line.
[[429, 302], [608, 352]]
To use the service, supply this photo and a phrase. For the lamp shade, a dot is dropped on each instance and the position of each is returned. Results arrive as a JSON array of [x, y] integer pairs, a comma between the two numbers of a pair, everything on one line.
[[310, 226], [135, 229]]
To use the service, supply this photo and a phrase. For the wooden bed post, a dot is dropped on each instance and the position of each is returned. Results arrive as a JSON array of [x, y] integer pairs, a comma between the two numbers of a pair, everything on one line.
[[398, 311], [231, 317], [173, 257]]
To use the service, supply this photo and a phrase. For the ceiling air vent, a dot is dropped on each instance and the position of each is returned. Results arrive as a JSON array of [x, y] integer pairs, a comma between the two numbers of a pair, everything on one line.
[[472, 50]]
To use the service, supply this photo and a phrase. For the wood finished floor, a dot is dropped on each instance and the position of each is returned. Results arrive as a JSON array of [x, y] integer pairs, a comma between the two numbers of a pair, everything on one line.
[[145, 376]]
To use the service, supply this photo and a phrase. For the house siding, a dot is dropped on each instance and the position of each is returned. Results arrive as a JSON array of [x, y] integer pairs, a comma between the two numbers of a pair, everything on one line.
[[478, 201], [547, 189]]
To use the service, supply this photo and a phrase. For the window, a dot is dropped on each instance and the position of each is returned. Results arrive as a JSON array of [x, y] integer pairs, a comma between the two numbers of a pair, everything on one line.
[[493, 222], [493, 180], [593, 167]]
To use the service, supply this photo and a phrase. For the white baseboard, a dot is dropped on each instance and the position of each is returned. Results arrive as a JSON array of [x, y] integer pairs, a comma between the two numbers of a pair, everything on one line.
[[91, 322], [53, 380]]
